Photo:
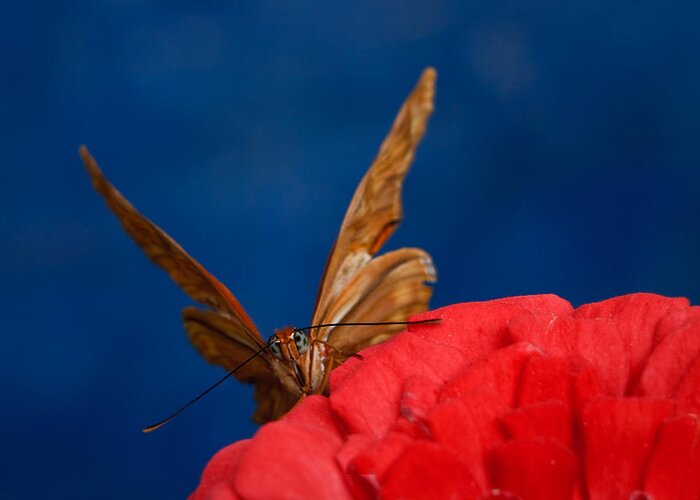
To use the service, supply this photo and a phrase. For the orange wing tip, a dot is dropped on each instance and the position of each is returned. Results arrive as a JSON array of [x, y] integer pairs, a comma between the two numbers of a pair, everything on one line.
[[420, 102], [89, 161], [426, 82], [429, 75], [85, 154]]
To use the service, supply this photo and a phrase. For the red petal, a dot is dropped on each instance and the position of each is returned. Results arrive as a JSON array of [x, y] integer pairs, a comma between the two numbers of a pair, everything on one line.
[[315, 411], [636, 316], [478, 328], [619, 434], [219, 491], [550, 419], [673, 471], [278, 459], [545, 379], [220, 469], [688, 392], [425, 470], [499, 373], [674, 320], [342, 372], [534, 469], [532, 328], [594, 343], [380, 380], [670, 360], [470, 427], [373, 463], [432, 412], [472, 329], [587, 385], [355, 445], [636, 310], [419, 395], [418, 429]]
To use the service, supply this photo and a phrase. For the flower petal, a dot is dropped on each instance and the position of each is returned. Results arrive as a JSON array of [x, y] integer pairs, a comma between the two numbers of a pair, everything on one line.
[[278, 459], [549, 419], [545, 378], [466, 333], [670, 360], [688, 392], [470, 428], [373, 463], [220, 470], [426, 470], [619, 434], [672, 472], [536, 468], [315, 411], [584, 342], [419, 395], [499, 373], [637, 317], [381, 382], [514, 398]]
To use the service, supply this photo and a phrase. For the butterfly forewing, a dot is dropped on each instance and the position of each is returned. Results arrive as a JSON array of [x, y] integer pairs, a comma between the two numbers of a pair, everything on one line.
[[189, 274], [374, 213]]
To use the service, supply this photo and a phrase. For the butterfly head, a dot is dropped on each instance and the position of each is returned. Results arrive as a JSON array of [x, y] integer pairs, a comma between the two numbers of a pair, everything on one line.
[[292, 349], [288, 343]]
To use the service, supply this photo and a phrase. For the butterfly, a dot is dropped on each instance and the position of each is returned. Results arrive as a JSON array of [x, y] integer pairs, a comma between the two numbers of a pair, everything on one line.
[[357, 286]]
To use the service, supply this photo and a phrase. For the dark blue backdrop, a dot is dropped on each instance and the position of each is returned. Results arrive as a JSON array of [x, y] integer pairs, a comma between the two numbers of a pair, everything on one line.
[[562, 157]]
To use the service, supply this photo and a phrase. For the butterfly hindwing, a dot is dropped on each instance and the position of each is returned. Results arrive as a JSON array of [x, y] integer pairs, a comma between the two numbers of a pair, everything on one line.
[[221, 341], [391, 287]]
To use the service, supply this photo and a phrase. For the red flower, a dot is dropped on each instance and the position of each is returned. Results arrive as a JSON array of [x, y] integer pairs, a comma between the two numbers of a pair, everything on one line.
[[523, 397]]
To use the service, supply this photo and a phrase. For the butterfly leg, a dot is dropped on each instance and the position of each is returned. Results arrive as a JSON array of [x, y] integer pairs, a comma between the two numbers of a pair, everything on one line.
[[332, 363], [327, 376]]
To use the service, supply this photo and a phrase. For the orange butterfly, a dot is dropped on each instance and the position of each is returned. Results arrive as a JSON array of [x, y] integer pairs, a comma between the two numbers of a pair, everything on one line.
[[356, 286]]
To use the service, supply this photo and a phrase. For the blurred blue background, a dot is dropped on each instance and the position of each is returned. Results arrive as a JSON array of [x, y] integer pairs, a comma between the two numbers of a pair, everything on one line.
[[562, 157]]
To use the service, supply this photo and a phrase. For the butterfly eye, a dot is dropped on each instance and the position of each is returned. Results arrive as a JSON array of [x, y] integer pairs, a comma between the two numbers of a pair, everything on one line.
[[274, 344], [301, 341]]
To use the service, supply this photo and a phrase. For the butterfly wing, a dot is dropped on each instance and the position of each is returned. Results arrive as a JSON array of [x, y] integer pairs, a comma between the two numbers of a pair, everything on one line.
[[185, 271], [377, 287], [391, 287], [222, 341], [274, 400], [225, 336]]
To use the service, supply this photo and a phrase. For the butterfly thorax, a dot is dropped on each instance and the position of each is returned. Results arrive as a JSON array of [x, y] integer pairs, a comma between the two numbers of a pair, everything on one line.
[[298, 360]]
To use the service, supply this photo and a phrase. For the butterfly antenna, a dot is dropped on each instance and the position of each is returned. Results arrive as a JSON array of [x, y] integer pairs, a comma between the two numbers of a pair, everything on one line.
[[414, 322], [160, 424]]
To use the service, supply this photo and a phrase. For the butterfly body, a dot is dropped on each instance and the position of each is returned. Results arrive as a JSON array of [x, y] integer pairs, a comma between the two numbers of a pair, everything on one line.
[[357, 286]]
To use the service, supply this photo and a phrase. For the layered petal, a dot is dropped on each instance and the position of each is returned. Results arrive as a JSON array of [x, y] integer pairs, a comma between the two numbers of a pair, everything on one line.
[[523, 397]]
